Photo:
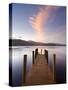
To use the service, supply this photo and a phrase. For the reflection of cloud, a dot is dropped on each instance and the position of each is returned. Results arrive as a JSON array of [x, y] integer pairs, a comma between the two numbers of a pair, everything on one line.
[[37, 21]]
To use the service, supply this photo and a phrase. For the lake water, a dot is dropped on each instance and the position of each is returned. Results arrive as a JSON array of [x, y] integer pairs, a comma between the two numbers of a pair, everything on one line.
[[17, 61]]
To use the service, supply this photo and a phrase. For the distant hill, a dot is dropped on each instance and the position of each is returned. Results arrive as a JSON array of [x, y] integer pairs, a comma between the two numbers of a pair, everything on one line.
[[18, 42]]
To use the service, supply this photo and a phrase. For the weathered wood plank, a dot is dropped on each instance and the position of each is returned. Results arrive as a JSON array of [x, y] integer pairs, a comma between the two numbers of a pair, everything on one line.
[[40, 72]]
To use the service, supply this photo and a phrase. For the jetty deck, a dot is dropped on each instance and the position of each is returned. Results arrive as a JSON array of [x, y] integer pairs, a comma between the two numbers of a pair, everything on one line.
[[40, 72]]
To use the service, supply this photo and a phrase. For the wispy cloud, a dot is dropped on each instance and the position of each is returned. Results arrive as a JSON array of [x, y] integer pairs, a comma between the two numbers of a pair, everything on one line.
[[37, 21]]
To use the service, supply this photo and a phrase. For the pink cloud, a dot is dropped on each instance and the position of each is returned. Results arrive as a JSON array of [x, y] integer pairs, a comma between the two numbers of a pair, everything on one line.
[[37, 21]]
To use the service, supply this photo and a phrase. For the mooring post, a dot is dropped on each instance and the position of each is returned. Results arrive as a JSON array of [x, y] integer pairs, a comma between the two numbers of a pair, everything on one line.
[[24, 68], [46, 55], [36, 52], [33, 56], [41, 51], [54, 66]]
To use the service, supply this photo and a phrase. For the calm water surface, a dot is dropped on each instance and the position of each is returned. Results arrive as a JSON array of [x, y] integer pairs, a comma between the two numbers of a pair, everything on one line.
[[17, 61]]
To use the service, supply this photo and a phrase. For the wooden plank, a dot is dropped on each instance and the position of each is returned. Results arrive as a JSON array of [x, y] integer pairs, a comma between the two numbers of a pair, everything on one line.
[[40, 72]]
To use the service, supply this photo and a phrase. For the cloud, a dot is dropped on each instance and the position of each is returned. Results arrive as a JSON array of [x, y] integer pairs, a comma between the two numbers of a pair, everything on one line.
[[37, 21]]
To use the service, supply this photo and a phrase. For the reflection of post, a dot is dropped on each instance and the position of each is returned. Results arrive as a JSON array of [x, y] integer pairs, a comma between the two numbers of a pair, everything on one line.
[[54, 66], [33, 56], [46, 55], [24, 69]]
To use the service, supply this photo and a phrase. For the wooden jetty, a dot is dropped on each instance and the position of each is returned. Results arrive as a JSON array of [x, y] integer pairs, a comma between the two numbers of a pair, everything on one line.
[[40, 73]]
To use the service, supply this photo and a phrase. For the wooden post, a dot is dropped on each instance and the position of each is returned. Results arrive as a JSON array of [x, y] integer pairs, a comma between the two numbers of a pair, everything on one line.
[[54, 66], [24, 69], [36, 52], [46, 55], [33, 56], [41, 51]]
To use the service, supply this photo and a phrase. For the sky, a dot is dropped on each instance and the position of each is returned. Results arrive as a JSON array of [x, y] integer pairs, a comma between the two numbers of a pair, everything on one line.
[[41, 23]]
